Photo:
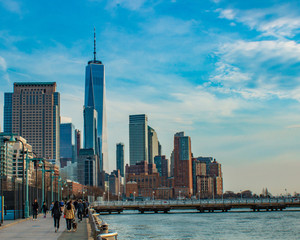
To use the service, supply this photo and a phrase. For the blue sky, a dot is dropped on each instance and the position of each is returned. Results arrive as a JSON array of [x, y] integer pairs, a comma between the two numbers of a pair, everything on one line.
[[225, 72]]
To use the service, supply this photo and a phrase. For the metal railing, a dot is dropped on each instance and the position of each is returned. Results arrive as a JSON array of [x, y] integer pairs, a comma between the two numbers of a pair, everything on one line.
[[196, 202], [100, 228]]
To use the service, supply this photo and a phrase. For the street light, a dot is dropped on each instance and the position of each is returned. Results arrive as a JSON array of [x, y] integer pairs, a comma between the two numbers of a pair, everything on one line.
[[199, 195], [103, 196], [119, 197], [153, 195], [179, 195], [241, 195], [134, 197]]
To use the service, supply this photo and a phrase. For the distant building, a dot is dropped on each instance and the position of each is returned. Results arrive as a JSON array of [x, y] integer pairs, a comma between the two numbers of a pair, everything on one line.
[[131, 189], [90, 140], [78, 141], [172, 164], [87, 167], [120, 158], [33, 112], [67, 144], [70, 171], [114, 182], [162, 165], [153, 144], [11, 157], [138, 138], [94, 100], [207, 177], [182, 165]]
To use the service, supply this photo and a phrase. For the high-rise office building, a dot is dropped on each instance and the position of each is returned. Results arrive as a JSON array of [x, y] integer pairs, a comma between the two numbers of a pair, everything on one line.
[[90, 119], [95, 100], [120, 158], [183, 181], [87, 167], [7, 121], [138, 138], [153, 145], [34, 112], [78, 141], [67, 144]]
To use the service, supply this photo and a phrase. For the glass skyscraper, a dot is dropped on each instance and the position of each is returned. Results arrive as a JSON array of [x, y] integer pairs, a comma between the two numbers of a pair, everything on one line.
[[67, 144], [138, 138], [120, 158], [95, 100]]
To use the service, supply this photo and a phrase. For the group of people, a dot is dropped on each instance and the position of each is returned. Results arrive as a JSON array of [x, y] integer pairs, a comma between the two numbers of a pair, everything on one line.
[[68, 209]]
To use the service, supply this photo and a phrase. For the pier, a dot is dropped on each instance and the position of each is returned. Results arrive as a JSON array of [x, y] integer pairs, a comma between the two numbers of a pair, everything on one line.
[[210, 205]]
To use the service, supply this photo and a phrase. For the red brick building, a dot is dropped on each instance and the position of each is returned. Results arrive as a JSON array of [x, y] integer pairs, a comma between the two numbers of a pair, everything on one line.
[[183, 181]]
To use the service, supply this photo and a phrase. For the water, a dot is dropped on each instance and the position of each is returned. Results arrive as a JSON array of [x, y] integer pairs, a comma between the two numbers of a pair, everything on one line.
[[193, 225]]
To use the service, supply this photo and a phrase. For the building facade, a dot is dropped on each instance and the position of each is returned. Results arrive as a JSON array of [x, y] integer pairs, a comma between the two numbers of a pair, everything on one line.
[[67, 144], [182, 165], [120, 158], [95, 99], [153, 145], [34, 112], [138, 138], [87, 167]]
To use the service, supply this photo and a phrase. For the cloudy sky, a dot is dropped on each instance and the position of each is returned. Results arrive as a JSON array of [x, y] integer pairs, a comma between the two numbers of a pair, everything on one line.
[[225, 72]]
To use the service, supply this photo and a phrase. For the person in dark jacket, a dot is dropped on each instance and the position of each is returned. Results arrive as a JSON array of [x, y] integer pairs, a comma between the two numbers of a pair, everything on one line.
[[35, 209], [80, 209], [56, 214], [44, 209]]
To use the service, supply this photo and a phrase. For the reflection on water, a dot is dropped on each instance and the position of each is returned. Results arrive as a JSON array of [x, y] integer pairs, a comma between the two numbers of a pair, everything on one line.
[[193, 225]]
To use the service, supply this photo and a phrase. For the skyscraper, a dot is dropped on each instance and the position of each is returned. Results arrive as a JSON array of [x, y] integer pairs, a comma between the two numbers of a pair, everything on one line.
[[153, 145], [34, 112], [78, 141], [95, 100], [138, 138], [183, 165], [120, 158], [67, 144]]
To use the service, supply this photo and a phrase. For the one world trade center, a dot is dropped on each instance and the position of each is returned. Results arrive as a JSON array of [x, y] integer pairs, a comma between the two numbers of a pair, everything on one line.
[[95, 129]]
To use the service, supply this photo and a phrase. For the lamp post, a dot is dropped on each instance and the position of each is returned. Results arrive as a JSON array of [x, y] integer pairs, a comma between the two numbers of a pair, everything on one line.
[[199, 195], [153, 195], [134, 197], [119, 196], [103, 196], [241, 195], [179, 195]]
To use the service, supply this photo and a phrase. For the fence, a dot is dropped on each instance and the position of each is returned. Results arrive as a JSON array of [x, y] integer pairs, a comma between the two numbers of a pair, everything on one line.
[[13, 198]]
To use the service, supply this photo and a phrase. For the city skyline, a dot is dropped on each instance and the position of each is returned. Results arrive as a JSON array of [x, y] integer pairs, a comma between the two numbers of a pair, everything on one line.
[[224, 72]]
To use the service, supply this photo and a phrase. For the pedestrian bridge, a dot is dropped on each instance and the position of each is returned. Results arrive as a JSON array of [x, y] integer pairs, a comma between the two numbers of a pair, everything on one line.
[[207, 205]]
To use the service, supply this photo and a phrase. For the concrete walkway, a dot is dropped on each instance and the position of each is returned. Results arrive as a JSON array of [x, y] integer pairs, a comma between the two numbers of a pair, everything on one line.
[[43, 228]]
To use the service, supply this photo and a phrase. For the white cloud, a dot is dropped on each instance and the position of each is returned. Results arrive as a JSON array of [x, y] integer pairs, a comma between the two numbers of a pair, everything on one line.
[[278, 21], [11, 5], [259, 69], [3, 64], [169, 26], [226, 13]]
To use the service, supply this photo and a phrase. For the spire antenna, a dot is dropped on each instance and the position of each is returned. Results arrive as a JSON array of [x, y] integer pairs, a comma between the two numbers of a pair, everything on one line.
[[94, 44]]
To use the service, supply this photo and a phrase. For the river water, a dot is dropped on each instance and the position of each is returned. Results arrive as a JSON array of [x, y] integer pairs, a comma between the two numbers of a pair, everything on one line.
[[218, 225]]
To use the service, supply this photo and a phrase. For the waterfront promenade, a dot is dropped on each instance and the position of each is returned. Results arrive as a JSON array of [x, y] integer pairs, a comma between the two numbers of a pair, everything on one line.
[[41, 229]]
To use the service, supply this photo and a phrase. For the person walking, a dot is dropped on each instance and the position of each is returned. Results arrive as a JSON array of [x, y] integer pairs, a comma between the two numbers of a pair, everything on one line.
[[69, 212], [35, 209], [80, 210], [56, 214], [51, 206], [44, 209]]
